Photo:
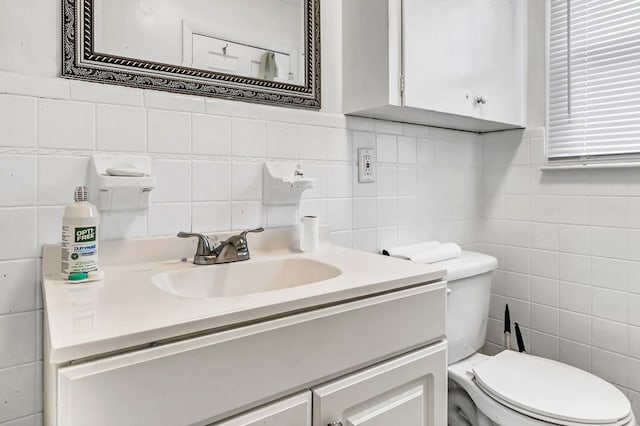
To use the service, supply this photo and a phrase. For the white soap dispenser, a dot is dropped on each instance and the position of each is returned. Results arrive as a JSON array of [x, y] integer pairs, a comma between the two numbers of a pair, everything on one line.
[[80, 236]]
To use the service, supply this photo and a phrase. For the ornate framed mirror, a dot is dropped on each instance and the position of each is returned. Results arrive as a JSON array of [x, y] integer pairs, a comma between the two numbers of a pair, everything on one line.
[[263, 51]]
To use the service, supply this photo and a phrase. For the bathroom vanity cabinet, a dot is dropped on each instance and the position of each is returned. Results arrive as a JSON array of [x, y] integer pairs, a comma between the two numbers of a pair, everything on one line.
[[457, 64], [377, 359], [363, 347]]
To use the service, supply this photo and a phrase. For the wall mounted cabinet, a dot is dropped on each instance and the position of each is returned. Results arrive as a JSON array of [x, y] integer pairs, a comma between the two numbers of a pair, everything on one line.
[[458, 64]]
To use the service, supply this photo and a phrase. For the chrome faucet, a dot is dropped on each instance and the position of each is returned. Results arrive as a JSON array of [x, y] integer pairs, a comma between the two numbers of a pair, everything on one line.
[[233, 249]]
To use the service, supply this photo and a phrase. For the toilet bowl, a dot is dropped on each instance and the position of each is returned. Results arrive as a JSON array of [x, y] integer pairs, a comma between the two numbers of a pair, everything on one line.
[[512, 388]]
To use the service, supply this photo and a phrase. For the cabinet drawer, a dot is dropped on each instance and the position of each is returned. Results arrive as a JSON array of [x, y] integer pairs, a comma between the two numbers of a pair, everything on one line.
[[293, 411], [410, 390], [206, 379]]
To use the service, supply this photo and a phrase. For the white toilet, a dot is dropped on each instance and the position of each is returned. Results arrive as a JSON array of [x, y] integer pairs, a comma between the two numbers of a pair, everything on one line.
[[512, 388]]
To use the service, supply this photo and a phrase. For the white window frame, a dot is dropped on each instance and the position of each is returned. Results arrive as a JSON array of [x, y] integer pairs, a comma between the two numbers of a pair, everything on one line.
[[626, 160]]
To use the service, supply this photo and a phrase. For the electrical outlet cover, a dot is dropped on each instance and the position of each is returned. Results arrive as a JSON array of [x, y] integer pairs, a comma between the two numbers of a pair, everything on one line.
[[366, 165]]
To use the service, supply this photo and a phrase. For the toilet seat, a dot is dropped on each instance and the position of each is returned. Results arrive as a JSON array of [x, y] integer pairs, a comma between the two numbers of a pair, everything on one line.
[[538, 387]]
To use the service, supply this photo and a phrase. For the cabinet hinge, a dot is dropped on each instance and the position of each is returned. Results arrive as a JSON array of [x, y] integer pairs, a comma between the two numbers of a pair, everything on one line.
[[401, 85]]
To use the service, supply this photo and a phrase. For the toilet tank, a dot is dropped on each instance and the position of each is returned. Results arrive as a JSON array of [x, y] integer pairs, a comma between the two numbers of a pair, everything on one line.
[[469, 291]]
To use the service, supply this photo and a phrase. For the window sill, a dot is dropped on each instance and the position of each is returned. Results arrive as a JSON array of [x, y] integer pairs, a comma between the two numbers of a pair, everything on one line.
[[547, 168]]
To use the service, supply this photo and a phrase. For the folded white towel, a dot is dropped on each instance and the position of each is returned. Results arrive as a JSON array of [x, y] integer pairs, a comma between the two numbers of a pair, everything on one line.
[[442, 252], [406, 252], [427, 252]]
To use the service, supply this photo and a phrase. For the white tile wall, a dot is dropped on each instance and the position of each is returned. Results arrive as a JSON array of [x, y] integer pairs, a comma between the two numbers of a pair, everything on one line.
[[246, 181], [58, 176], [570, 256], [18, 121], [66, 124], [312, 142], [15, 348], [339, 181], [19, 233], [164, 100], [210, 217], [99, 93], [168, 219], [211, 180], [18, 391], [18, 284], [281, 216], [173, 181], [282, 140], [211, 135], [121, 128], [206, 155], [387, 148], [49, 217], [338, 145], [248, 138], [568, 242], [407, 150], [113, 225], [246, 214], [18, 174], [168, 132]]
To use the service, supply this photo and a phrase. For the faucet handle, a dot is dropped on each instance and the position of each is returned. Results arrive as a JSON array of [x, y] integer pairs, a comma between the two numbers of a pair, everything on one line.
[[240, 241], [204, 248], [243, 234]]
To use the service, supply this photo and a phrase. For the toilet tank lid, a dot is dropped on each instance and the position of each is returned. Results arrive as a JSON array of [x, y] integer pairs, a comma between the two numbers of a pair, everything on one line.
[[468, 264]]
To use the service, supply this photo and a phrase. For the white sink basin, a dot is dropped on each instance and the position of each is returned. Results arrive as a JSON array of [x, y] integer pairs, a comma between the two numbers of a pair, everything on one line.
[[241, 278]]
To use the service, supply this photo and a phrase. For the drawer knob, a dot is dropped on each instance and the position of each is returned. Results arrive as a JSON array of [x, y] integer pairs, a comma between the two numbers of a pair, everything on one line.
[[336, 423]]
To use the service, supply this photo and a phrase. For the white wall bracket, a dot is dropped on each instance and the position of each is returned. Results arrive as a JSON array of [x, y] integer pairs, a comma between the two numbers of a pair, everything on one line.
[[120, 182], [283, 184]]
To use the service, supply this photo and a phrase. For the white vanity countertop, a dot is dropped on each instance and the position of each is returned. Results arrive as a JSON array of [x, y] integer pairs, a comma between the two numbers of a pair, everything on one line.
[[127, 310]]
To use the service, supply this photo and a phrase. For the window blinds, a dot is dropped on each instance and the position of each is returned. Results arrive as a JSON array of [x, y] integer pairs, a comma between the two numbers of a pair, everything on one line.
[[594, 79]]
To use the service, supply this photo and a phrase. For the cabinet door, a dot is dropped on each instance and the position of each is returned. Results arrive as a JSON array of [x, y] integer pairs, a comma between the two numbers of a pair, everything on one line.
[[499, 58], [437, 55], [292, 411], [410, 390]]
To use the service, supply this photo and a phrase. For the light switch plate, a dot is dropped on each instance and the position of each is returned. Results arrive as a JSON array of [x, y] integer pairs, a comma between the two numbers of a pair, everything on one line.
[[366, 165]]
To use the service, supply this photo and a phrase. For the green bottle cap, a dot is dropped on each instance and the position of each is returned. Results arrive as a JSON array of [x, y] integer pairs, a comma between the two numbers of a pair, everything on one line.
[[76, 276]]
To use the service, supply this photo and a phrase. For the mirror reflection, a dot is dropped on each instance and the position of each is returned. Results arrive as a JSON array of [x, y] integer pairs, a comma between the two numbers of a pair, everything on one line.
[[261, 39]]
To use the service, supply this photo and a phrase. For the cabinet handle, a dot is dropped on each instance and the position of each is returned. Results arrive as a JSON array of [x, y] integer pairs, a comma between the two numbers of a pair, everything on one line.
[[336, 423], [481, 100]]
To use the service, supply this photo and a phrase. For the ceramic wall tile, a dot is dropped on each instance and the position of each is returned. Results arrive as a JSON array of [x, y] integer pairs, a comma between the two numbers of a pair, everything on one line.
[[18, 391], [168, 132], [121, 128], [18, 177], [211, 180], [58, 177], [211, 135], [21, 230], [282, 140], [17, 333], [18, 121], [18, 284], [66, 124], [173, 181], [248, 138]]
